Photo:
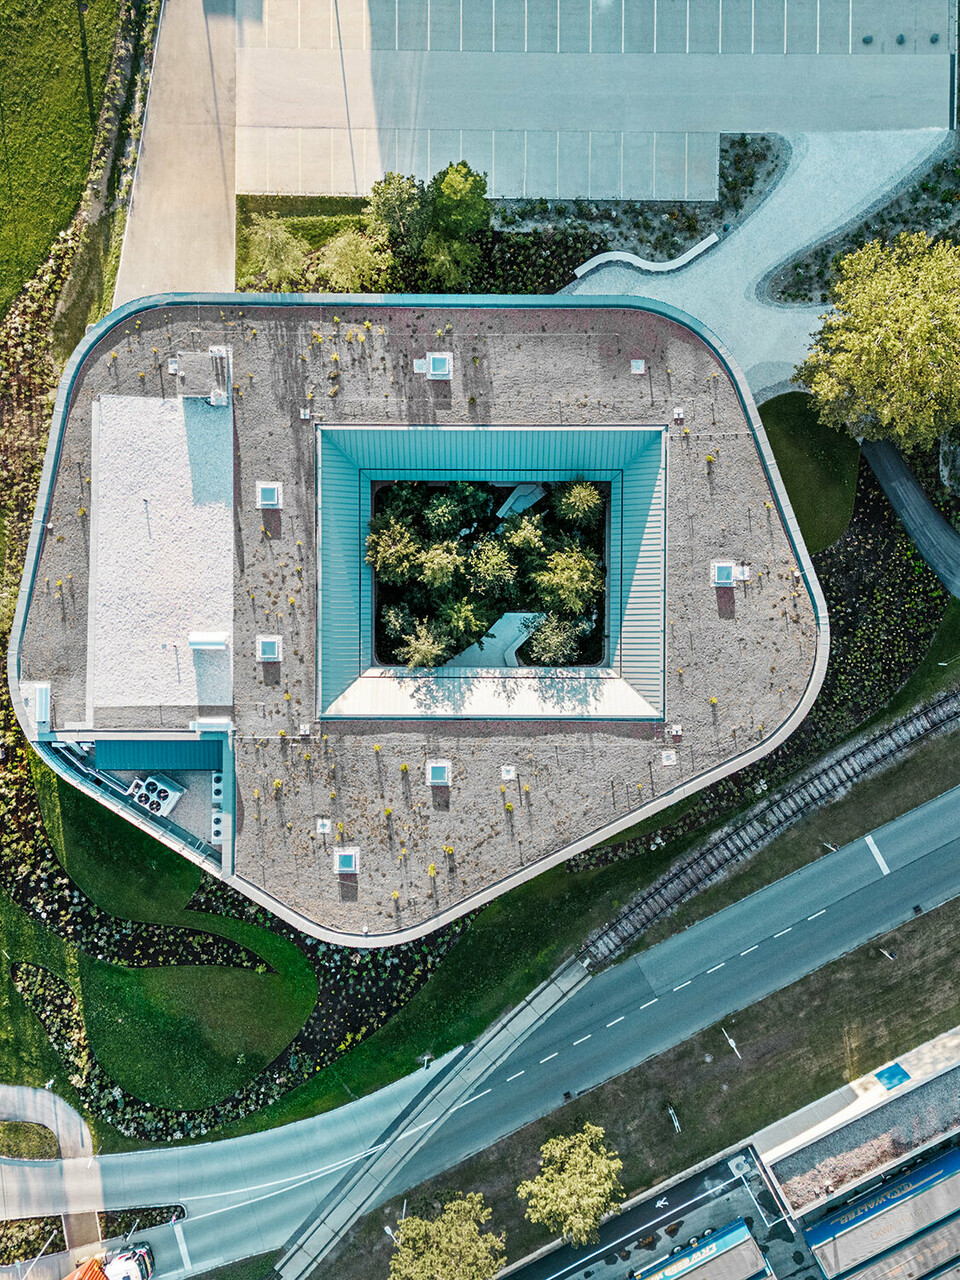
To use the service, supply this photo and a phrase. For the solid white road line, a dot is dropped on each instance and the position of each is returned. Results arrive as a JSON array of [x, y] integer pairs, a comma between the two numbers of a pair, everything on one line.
[[644, 1006], [182, 1244], [516, 1076], [817, 914], [683, 984], [581, 1040], [872, 846], [717, 966], [547, 1058], [749, 949], [783, 931], [620, 1019], [467, 1101]]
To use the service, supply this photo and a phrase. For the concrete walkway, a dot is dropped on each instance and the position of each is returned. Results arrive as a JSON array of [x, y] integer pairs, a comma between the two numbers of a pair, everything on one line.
[[41, 1106], [830, 180], [180, 228], [934, 537]]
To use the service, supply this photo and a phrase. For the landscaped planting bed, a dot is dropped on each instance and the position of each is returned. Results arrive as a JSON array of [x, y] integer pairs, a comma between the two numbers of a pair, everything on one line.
[[447, 566], [930, 203], [21, 1239]]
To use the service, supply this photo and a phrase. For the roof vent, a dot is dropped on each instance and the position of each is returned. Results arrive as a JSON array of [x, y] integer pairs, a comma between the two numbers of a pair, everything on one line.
[[269, 495], [345, 862], [269, 648], [438, 773], [439, 366]]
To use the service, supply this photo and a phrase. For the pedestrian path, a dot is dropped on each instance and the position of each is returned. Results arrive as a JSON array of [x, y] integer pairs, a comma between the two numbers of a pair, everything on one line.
[[830, 180], [44, 1107]]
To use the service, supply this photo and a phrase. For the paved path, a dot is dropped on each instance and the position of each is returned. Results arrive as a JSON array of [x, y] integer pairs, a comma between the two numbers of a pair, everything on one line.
[[250, 1194], [934, 537], [832, 177], [180, 227], [41, 1106]]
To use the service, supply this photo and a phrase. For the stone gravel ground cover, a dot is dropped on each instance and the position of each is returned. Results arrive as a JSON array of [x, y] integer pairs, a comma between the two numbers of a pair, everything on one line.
[[900, 1126], [735, 667]]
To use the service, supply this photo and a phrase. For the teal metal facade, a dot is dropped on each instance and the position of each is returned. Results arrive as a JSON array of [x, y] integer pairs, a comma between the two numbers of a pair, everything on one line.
[[631, 458]]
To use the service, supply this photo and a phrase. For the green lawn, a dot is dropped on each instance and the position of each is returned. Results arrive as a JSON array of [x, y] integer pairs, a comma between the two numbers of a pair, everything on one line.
[[21, 1141], [818, 465], [201, 1031], [314, 219], [54, 58]]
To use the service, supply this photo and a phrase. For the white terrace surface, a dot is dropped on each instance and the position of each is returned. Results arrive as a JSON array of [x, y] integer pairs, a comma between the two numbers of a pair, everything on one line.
[[162, 517]]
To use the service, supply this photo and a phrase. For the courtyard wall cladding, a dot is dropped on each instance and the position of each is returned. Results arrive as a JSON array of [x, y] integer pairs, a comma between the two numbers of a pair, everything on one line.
[[742, 663]]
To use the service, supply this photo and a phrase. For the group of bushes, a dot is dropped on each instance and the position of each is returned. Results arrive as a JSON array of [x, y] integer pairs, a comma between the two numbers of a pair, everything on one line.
[[447, 568]]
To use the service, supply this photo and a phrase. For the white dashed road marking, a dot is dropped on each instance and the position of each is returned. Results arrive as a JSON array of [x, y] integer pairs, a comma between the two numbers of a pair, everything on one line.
[[581, 1040], [817, 914], [717, 966], [616, 1020], [649, 1003], [749, 949], [515, 1076], [547, 1058], [782, 932], [683, 984]]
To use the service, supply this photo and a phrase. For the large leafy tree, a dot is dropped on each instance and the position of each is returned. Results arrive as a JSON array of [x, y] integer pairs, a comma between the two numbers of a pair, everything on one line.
[[450, 1247], [275, 255], [570, 581], [886, 362], [398, 212], [350, 263], [578, 1185], [457, 198]]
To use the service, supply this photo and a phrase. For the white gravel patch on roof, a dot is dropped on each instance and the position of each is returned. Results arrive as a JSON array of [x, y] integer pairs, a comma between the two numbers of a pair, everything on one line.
[[163, 508]]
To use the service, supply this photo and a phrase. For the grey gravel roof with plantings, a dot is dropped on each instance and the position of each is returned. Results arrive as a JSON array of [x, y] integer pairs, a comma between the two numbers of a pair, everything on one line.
[[737, 661]]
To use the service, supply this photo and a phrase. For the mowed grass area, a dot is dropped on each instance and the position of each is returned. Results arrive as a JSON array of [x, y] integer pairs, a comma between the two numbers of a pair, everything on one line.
[[829, 1028], [22, 1141], [818, 465], [54, 59], [313, 219], [201, 1031]]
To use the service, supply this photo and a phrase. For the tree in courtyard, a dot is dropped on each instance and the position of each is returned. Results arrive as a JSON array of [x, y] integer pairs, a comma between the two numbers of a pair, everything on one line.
[[490, 566], [349, 263], [274, 253], [569, 582], [466, 621], [578, 1185], [440, 564], [450, 1247], [886, 362], [394, 551], [578, 502], [554, 642], [397, 212], [457, 198], [426, 646], [455, 507]]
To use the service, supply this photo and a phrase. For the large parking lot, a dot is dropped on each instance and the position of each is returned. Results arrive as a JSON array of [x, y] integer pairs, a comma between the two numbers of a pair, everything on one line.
[[565, 98]]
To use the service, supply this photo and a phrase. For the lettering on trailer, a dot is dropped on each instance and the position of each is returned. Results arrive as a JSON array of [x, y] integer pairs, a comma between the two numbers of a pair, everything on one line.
[[731, 1254]]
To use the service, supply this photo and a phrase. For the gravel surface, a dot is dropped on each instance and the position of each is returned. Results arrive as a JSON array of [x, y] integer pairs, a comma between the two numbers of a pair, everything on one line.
[[737, 661], [890, 1133]]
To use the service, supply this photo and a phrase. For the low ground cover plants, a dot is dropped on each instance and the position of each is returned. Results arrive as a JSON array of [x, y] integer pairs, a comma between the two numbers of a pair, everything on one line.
[[447, 566]]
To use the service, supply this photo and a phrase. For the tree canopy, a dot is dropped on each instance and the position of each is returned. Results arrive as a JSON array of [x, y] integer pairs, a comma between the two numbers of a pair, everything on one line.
[[350, 263], [275, 253], [577, 1186], [450, 1247], [447, 567], [886, 362]]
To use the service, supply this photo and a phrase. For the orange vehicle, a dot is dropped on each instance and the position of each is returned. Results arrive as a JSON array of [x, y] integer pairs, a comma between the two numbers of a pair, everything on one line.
[[132, 1262]]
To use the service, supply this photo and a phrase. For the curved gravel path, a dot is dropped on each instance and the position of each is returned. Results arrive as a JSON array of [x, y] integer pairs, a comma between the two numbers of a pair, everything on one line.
[[831, 179]]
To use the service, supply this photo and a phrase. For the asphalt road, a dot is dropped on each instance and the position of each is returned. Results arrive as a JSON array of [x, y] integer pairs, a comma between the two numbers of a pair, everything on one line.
[[934, 537], [248, 1195]]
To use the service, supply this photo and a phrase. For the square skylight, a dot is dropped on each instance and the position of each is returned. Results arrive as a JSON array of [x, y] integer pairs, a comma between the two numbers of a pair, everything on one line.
[[723, 573], [269, 648], [438, 773], [439, 366], [345, 862], [638, 366], [269, 495]]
